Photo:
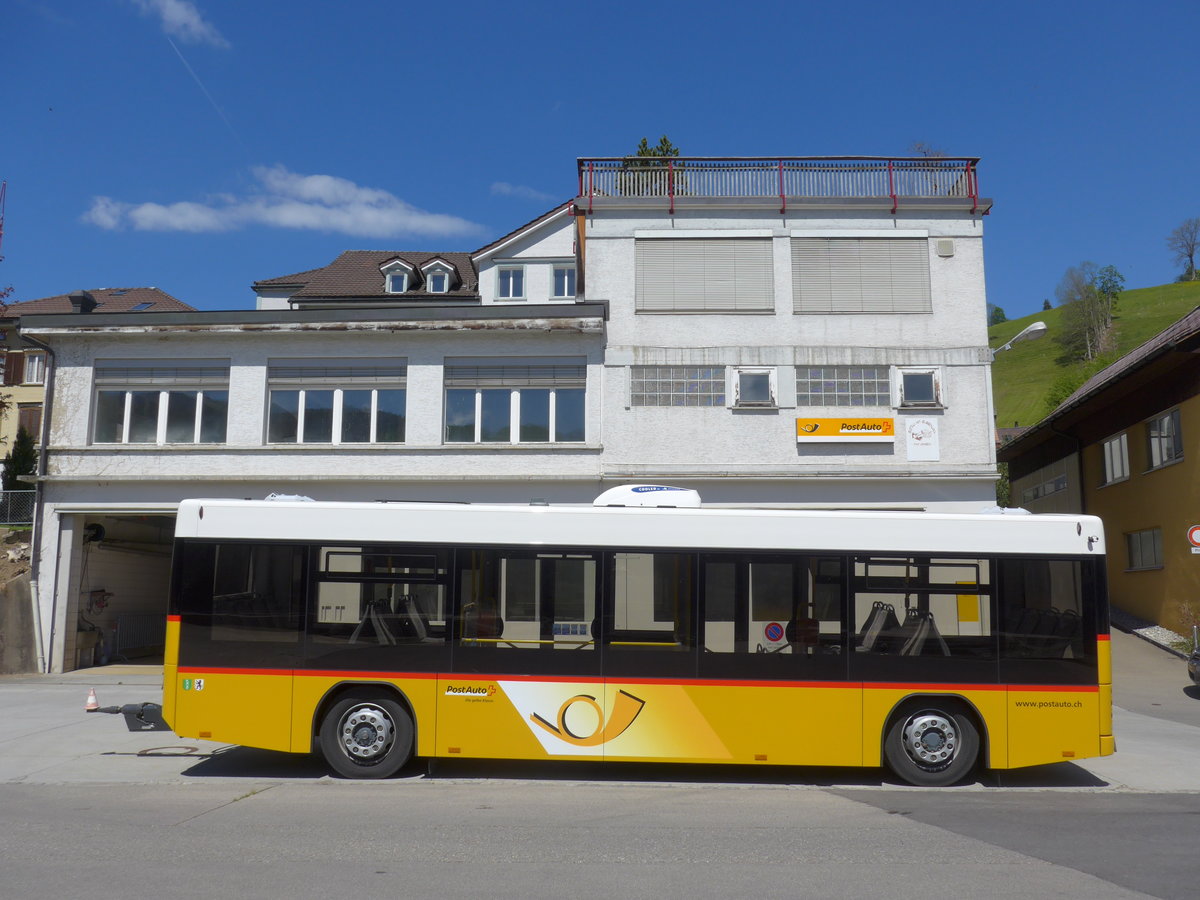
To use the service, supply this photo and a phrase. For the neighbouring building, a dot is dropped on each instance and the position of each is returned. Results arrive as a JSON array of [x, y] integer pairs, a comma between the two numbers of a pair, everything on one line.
[[771, 332], [24, 366], [1117, 449]]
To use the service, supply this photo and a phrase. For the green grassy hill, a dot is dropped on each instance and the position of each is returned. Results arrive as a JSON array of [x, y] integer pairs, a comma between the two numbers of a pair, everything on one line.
[[1022, 376]]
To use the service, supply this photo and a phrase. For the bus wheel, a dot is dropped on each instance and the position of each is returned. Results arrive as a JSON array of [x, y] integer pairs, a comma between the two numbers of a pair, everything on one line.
[[366, 738], [932, 746]]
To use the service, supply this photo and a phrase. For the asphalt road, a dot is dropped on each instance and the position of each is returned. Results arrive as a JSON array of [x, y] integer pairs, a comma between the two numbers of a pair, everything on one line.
[[87, 808]]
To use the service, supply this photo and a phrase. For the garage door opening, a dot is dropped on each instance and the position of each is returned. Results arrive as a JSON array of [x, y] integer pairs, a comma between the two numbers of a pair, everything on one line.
[[123, 570]]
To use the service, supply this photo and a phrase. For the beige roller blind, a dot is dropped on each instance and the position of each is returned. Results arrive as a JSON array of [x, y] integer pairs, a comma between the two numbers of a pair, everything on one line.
[[705, 275], [860, 275]]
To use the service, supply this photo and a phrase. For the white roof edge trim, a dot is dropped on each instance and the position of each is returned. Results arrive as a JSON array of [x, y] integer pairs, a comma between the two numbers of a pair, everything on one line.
[[520, 233]]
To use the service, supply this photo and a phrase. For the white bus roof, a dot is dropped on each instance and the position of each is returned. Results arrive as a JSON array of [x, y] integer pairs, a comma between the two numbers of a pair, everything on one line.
[[633, 528]]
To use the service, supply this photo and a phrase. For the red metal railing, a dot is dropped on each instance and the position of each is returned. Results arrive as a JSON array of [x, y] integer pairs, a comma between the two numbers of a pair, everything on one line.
[[796, 177]]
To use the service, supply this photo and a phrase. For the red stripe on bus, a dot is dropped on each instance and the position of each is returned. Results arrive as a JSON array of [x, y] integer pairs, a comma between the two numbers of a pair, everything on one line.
[[1104, 637], [1055, 688], [681, 682], [174, 618]]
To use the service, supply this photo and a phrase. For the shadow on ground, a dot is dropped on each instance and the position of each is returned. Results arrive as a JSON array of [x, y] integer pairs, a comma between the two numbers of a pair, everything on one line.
[[242, 762]]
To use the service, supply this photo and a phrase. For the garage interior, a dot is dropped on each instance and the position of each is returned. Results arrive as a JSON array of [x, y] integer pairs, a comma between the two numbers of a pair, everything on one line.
[[123, 572]]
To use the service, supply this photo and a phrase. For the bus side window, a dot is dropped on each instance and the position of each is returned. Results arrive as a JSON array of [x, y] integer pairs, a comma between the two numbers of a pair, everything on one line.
[[513, 600], [1041, 601], [768, 604], [653, 601]]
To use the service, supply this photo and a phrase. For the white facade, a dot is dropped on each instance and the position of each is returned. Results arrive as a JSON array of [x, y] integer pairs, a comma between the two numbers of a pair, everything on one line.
[[605, 389]]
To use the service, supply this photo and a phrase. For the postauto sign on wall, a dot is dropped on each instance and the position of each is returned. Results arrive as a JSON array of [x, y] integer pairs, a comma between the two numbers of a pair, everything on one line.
[[850, 429]]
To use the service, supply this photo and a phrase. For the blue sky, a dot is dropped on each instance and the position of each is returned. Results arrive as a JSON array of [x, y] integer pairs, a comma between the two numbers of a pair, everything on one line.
[[199, 145]]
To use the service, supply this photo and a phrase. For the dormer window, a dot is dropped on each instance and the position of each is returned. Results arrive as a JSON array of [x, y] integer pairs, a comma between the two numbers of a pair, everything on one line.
[[439, 276], [397, 276]]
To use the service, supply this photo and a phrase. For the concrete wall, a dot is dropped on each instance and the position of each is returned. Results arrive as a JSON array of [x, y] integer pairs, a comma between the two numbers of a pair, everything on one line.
[[18, 653]]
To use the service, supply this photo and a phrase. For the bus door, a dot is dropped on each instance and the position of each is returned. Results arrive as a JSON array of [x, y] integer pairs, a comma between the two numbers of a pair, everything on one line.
[[526, 673], [241, 608], [774, 658]]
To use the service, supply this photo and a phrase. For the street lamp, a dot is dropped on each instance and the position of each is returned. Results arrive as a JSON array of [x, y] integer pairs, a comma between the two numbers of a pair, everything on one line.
[[1028, 333]]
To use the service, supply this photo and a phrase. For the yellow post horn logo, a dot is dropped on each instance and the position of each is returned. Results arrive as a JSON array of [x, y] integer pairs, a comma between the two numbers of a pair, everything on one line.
[[625, 709]]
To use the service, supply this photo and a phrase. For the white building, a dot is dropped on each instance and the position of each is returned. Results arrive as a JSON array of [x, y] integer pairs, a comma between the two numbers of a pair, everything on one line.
[[769, 332]]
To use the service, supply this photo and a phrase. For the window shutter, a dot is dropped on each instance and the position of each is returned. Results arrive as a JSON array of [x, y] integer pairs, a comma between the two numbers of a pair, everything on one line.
[[160, 372], [860, 275], [484, 376], [365, 371], [704, 275], [30, 418], [14, 367]]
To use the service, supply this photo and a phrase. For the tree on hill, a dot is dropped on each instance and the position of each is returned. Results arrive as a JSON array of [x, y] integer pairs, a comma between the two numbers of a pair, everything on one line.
[[996, 314], [20, 460], [1046, 306], [1088, 297], [1184, 242]]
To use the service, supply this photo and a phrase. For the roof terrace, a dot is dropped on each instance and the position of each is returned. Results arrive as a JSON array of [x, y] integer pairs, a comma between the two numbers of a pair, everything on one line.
[[808, 181]]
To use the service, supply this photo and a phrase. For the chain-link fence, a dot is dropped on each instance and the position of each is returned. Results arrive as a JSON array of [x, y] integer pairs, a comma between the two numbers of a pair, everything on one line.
[[16, 507]]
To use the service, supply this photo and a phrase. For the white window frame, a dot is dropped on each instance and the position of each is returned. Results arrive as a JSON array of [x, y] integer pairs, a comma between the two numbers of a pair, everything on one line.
[[568, 268], [437, 273], [935, 373], [1136, 545], [35, 361], [1152, 442], [738, 372], [514, 419], [161, 377], [160, 429], [339, 386], [514, 400], [338, 409], [503, 270], [1115, 459]]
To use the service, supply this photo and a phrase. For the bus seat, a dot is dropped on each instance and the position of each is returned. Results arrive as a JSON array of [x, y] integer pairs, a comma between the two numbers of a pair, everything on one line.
[[923, 634], [882, 619]]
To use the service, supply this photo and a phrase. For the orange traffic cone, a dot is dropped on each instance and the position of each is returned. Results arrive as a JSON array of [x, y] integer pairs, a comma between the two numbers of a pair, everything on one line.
[[92, 703]]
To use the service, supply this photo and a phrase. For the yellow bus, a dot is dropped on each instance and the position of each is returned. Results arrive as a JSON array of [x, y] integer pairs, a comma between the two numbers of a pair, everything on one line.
[[642, 628]]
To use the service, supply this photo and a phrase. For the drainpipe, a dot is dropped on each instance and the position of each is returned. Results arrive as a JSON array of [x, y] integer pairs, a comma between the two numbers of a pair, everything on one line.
[[36, 537]]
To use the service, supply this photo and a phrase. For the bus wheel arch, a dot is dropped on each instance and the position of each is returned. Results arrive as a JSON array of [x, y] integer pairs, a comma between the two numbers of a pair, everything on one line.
[[365, 730], [934, 740]]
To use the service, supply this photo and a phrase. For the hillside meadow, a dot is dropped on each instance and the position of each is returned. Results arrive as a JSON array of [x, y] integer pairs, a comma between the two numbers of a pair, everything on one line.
[[1023, 376]]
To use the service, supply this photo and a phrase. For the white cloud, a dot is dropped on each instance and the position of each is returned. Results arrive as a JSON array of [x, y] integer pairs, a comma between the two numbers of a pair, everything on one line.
[[181, 19], [504, 189], [286, 200]]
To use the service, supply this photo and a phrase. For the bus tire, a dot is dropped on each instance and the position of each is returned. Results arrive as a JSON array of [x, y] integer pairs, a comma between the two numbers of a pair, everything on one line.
[[931, 744], [363, 738]]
